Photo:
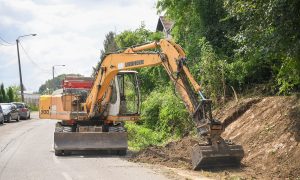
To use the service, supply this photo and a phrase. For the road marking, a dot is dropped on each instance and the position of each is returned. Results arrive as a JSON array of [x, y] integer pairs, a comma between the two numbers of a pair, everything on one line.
[[66, 176]]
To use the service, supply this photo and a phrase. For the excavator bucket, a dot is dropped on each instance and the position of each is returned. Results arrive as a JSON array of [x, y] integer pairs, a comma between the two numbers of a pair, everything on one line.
[[72, 141], [222, 155]]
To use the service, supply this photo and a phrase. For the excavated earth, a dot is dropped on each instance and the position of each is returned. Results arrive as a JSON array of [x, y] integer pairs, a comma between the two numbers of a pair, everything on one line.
[[268, 128]]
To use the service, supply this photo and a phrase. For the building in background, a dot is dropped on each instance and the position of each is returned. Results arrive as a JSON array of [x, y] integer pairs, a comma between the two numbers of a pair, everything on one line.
[[164, 25], [31, 98]]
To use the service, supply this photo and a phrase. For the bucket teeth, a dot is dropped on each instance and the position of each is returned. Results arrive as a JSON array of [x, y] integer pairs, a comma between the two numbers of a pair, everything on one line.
[[208, 156]]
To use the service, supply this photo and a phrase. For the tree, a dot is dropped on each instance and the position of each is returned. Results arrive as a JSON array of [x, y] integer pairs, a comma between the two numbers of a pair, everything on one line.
[[152, 77], [270, 35], [201, 28], [253, 42], [10, 94], [16, 94], [109, 45], [3, 94]]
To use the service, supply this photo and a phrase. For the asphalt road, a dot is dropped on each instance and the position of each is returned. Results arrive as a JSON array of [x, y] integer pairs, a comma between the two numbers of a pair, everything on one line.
[[27, 153]]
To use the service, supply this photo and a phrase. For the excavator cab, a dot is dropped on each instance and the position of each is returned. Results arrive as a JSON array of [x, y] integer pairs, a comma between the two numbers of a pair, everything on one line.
[[125, 98]]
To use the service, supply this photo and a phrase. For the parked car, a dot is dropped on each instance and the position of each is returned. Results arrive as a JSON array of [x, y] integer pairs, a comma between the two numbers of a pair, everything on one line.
[[23, 109], [10, 112], [1, 116]]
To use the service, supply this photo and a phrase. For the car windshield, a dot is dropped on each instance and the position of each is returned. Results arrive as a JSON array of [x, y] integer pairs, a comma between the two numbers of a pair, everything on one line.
[[5, 106], [19, 105]]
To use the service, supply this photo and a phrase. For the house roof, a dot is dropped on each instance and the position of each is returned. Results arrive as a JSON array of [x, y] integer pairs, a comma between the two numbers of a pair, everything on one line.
[[164, 24]]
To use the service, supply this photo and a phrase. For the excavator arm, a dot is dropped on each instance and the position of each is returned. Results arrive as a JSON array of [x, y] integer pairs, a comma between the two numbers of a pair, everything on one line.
[[171, 57]]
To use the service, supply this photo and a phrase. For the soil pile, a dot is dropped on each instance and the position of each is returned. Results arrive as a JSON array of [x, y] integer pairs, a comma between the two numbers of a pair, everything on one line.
[[174, 154], [268, 129], [269, 132]]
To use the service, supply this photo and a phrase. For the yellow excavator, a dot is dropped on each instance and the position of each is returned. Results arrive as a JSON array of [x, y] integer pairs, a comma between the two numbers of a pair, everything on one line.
[[94, 119]]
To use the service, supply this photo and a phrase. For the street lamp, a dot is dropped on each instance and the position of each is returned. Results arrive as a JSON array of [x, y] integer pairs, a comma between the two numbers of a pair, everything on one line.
[[53, 74], [20, 71]]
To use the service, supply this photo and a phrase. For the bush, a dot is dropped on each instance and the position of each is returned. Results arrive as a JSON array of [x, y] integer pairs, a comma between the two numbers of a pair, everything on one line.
[[163, 117], [141, 137], [164, 112]]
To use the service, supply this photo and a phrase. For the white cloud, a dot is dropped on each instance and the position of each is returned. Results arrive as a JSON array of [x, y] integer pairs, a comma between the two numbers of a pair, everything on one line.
[[69, 32]]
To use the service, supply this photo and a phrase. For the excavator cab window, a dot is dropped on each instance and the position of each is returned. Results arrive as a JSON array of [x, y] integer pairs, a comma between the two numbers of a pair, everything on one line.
[[129, 93]]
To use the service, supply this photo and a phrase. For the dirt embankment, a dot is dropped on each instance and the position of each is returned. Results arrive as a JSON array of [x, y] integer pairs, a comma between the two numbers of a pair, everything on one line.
[[268, 128]]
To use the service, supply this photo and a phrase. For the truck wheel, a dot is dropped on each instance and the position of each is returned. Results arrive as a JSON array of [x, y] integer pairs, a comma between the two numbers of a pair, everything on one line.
[[58, 152]]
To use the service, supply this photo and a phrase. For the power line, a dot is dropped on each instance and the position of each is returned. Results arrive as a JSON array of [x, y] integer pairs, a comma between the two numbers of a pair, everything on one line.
[[8, 43], [32, 61], [2, 44]]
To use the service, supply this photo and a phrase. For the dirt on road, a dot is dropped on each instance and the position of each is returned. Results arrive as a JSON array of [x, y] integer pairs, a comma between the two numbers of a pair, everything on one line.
[[268, 128]]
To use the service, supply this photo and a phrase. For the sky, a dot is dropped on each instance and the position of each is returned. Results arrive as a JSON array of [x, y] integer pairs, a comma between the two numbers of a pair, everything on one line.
[[69, 32]]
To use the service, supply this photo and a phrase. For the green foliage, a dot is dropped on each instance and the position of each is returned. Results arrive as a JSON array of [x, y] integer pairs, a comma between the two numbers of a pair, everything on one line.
[[109, 45], [211, 70], [164, 112], [10, 94], [141, 35], [3, 96], [253, 42], [152, 77], [16, 94], [141, 137], [289, 75], [164, 116], [269, 36], [173, 116]]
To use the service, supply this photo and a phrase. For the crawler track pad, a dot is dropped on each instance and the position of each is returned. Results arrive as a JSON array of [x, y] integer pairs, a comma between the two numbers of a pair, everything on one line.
[[206, 156]]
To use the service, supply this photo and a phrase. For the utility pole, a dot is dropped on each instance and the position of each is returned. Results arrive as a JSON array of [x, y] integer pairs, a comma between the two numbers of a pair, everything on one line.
[[20, 72], [19, 62]]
